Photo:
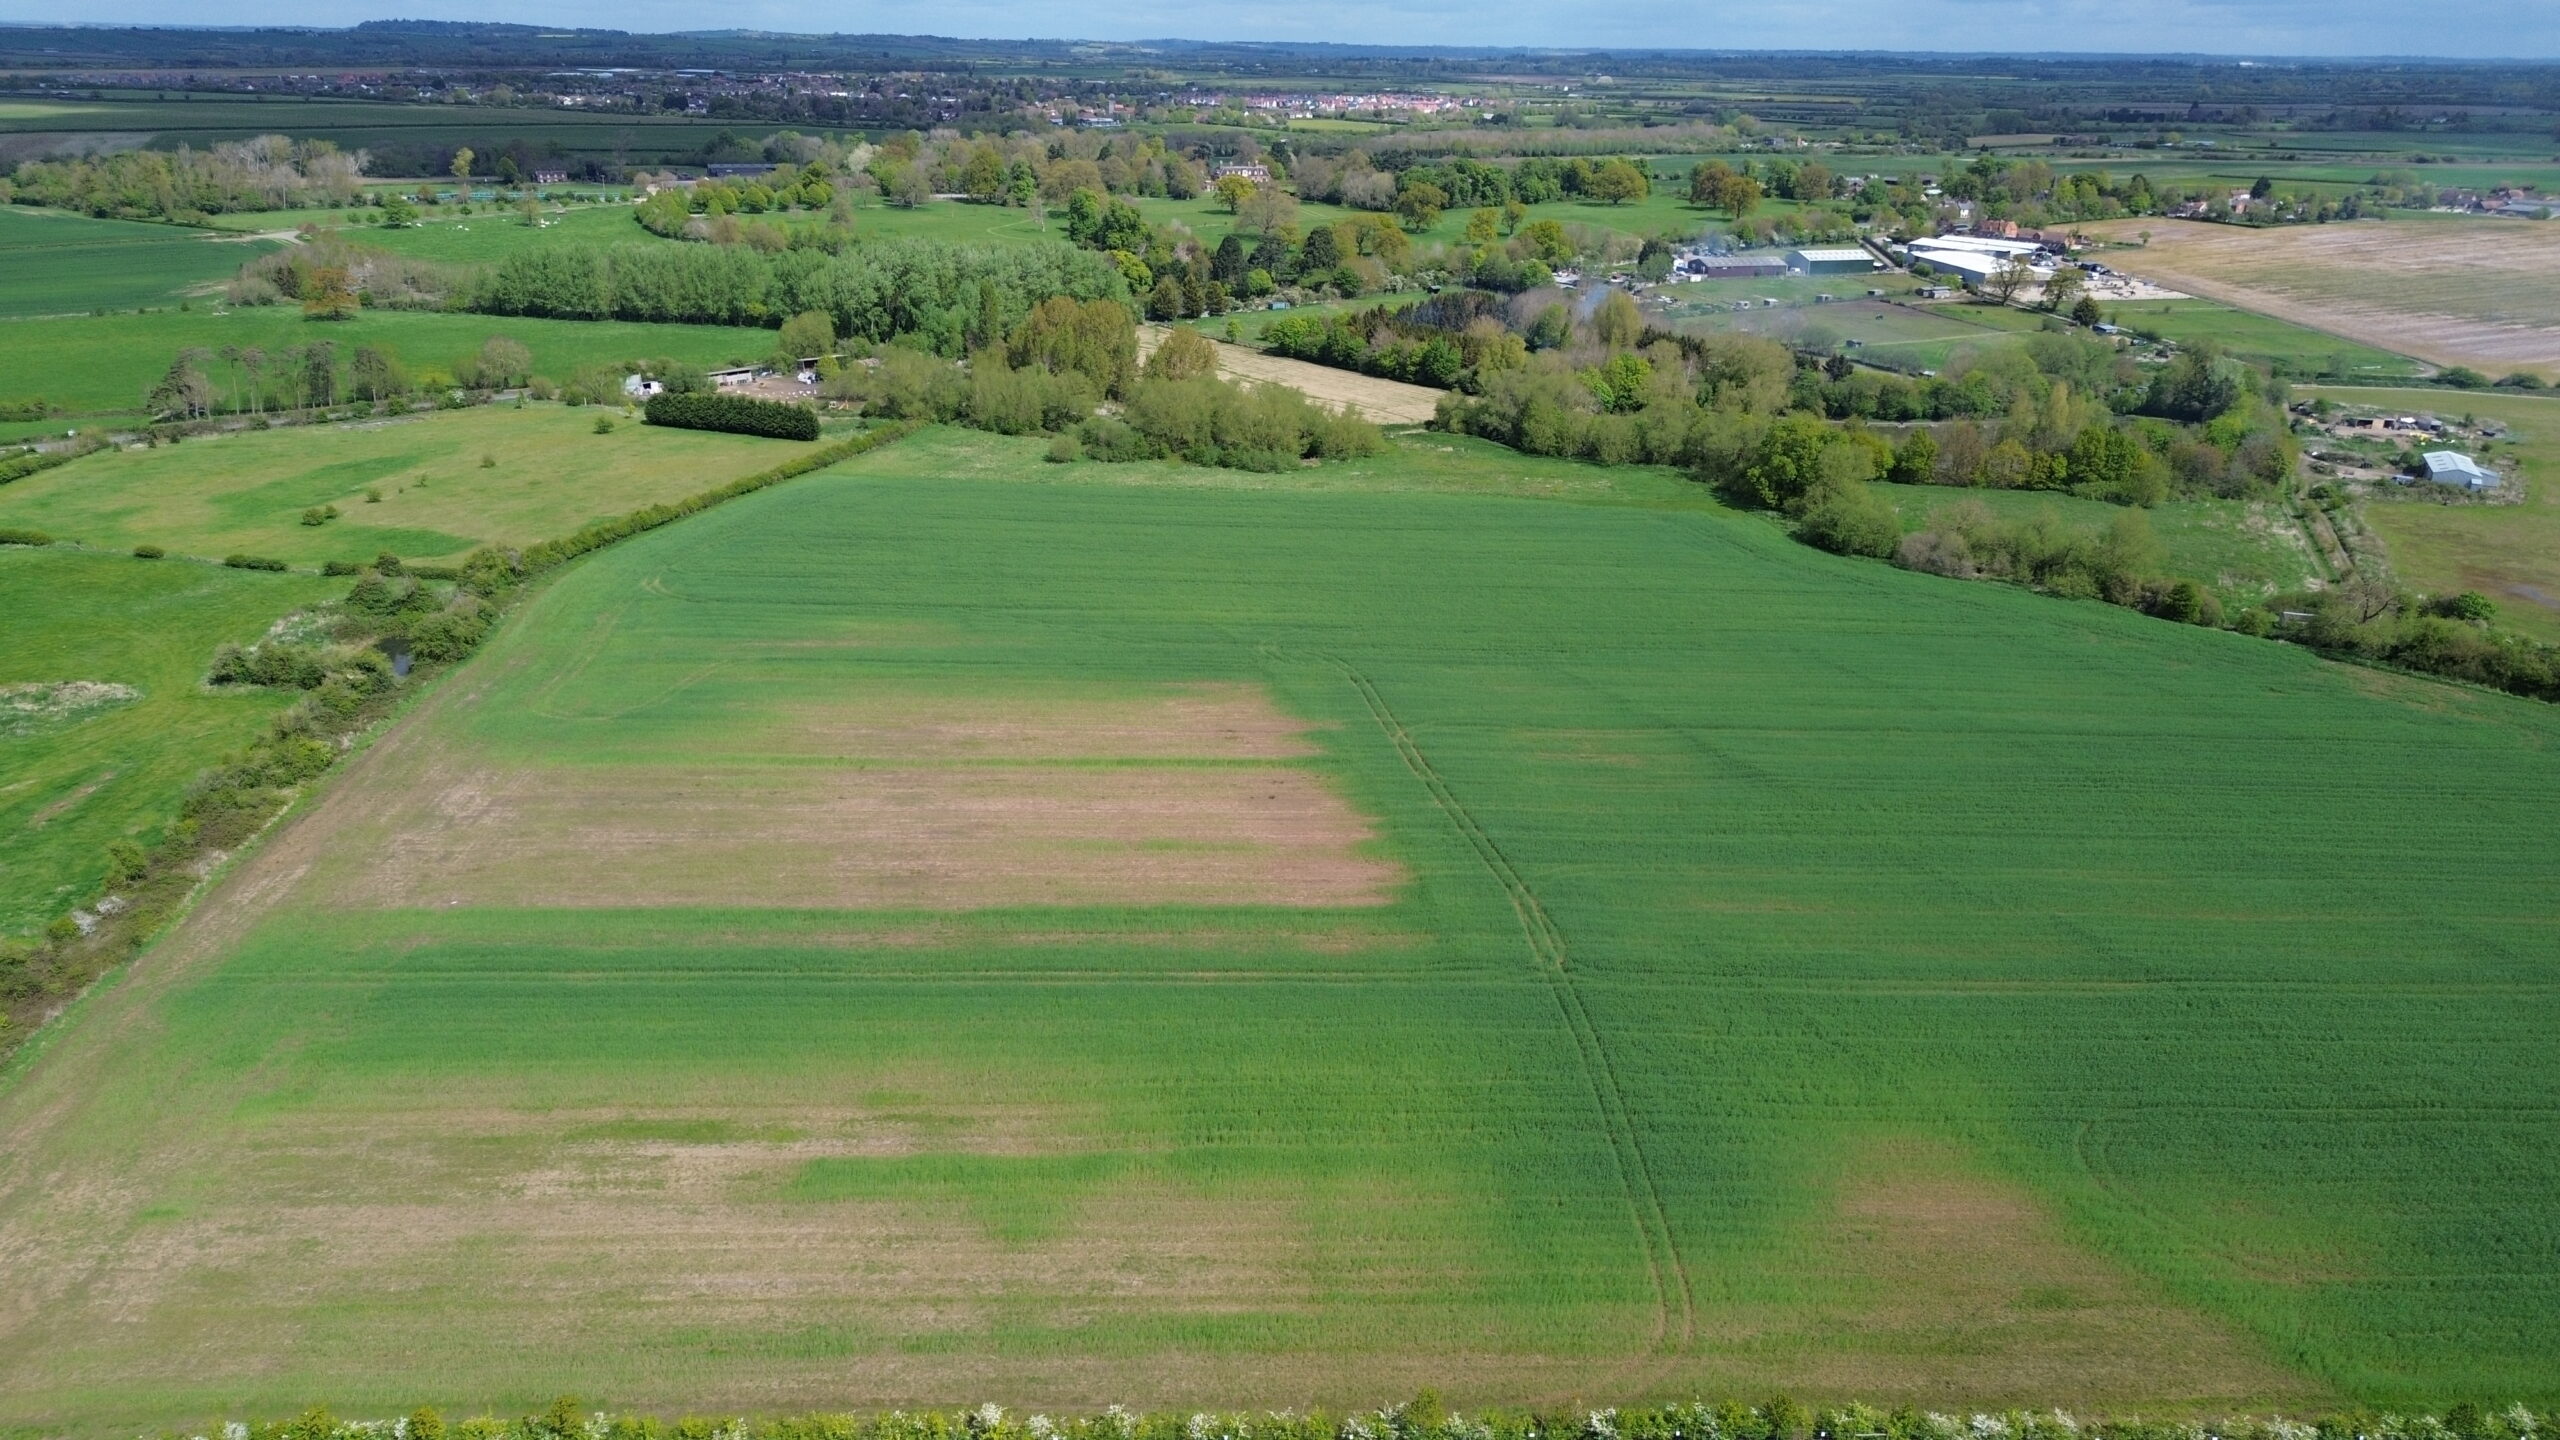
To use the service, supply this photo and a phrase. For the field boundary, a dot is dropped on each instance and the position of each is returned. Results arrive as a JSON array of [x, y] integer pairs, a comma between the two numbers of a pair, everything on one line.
[[1668, 1272]]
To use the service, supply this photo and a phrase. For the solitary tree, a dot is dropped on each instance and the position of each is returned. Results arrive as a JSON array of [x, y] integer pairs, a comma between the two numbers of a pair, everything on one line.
[[2004, 283], [2062, 289], [462, 166]]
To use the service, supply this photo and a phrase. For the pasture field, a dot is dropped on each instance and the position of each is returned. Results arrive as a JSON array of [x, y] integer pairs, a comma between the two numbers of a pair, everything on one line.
[[76, 777], [106, 364], [1388, 402], [57, 264], [478, 239], [2243, 549], [957, 926], [2452, 290], [247, 491], [2510, 553], [2263, 339], [1907, 337]]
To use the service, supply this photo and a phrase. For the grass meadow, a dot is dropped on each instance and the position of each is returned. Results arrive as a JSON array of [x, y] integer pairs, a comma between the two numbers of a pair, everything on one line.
[[106, 364], [2262, 340], [956, 926], [58, 264], [67, 790], [2510, 553], [416, 486], [2245, 549]]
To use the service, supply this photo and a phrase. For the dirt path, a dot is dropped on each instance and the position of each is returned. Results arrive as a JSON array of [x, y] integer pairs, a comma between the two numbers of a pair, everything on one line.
[[1389, 402]]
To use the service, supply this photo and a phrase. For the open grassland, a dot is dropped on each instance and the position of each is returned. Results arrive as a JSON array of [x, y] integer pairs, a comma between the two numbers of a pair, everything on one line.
[[2244, 549], [106, 364], [478, 239], [2478, 292], [416, 486], [75, 777], [56, 264], [2510, 553], [959, 926], [2262, 340]]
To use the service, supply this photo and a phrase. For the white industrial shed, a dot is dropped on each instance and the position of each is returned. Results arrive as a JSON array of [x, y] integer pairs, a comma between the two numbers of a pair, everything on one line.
[[2452, 467]]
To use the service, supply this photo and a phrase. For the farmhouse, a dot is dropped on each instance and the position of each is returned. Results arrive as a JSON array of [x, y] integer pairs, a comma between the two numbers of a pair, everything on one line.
[[1843, 261], [2452, 467], [1258, 174]]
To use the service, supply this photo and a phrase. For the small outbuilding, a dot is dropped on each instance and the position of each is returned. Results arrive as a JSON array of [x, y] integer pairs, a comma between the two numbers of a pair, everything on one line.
[[2452, 467]]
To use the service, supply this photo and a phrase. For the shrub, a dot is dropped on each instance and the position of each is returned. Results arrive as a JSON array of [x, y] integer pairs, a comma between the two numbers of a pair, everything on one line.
[[24, 537], [604, 424], [734, 414], [340, 567], [148, 552], [253, 562], [19, 467], [1847, 518]]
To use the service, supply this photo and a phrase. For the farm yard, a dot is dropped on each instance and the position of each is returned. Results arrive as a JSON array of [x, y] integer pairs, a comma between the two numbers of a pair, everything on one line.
[[958, 924], [2451, 291], [2510, 553], [425, 487]]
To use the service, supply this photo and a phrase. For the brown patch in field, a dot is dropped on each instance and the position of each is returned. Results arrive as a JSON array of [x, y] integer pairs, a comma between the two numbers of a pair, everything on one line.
[[1388, 402], [935, 803], [2457, 293], [1228, 722], [1952, 1283], [59, 808]]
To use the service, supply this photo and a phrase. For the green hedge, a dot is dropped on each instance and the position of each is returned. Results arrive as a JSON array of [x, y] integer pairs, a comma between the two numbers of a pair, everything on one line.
[[24, 537], [19, 467], [604, 532], [736, 414]]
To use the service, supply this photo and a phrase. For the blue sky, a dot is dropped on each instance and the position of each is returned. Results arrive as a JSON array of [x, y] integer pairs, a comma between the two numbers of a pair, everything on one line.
[[2483, 29]]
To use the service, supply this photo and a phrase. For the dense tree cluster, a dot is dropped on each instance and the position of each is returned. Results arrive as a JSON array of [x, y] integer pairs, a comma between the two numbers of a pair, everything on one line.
[[269, 172], [947, 297]]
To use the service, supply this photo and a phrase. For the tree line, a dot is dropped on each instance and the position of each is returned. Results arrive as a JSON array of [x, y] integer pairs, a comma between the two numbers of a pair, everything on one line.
[[269, 172]]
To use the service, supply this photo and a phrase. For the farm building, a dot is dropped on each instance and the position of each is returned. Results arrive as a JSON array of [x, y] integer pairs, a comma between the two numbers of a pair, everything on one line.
[[2452, 467], [1736, 267], [1976, 244], [1972, 266], [1844, 261]]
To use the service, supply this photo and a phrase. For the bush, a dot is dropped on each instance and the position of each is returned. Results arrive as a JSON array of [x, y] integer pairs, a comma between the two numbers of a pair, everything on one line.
[[253, 562], [734, 414], [19, 467], [148, 552], [340, 567], [1847, 518], [24, 537]]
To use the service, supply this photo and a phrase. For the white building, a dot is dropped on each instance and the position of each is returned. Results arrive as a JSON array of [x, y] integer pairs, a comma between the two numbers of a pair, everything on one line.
[[2452, 467]]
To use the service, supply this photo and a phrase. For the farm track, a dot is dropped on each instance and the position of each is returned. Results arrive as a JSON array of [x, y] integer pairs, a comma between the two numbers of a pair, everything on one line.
[[1669, 1274]]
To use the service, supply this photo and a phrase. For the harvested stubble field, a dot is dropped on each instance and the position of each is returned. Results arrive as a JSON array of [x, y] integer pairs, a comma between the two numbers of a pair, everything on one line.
[[1388, 402], [1075, 933], [548, 473], [2454, 291]]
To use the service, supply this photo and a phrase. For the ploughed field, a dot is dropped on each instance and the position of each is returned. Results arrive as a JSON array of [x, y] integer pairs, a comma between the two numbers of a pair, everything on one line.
[[956, 927]]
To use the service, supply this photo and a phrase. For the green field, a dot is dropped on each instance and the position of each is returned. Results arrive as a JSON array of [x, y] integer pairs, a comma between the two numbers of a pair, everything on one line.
[[2244, 549], [56, 264], [957, 926], [66, 790], [2510, 553], [434, 498], [2262, 339], [106, 364]]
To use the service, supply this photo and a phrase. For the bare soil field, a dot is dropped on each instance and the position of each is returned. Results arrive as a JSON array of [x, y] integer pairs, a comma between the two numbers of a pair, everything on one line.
[[1388, 402], [2483, 293]]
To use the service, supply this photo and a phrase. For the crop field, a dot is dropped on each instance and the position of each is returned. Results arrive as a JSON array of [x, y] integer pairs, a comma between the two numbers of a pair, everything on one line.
[[2244, 549], [2263, 339], [56, 264], [425, 487], [84, 767], [2484, 293], [2510, 553], [958, 926], [106, 364]]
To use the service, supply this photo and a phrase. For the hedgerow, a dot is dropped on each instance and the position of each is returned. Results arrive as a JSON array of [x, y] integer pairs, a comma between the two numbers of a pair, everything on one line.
[[735, 414], [19, 467], [1423, 1418], [347, 685]]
